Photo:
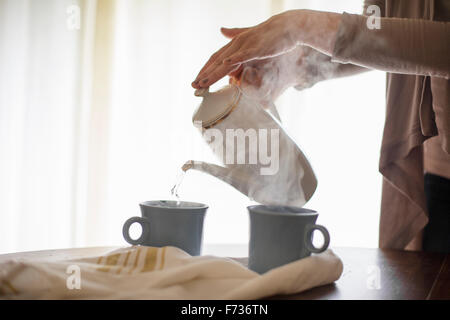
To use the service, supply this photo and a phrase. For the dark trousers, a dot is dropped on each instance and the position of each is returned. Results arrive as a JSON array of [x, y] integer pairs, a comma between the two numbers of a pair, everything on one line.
[[436, 237]]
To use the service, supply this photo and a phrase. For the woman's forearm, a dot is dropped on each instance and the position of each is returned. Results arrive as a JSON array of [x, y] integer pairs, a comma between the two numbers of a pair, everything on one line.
[[276, 37], [407, 46], [314, 66], [315, 29]]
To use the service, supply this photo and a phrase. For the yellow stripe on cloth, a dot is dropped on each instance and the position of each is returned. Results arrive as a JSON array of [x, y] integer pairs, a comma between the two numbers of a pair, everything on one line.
[[138, 251], [163, 258], [11, 288], [141, 259], [150, 259], [119, 270], [111, 262]]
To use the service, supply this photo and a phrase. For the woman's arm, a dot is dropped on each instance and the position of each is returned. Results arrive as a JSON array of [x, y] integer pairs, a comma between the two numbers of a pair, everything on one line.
[[401, 45], [301, 68], [316, 67], [407, 46], [277, 36], [327, 69]]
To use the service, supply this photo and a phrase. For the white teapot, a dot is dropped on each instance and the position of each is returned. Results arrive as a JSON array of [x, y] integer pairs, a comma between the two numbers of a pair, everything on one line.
[[259, 159]]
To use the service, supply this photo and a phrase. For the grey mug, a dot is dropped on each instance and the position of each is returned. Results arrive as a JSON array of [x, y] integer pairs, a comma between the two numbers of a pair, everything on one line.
[[280, 235], [169, 223]]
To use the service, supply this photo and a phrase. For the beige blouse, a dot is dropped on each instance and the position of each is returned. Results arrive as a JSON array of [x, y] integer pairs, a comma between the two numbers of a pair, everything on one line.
[[416, 54]]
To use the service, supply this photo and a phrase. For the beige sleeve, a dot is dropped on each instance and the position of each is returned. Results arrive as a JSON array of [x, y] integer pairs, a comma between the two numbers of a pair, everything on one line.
[[408, 46]]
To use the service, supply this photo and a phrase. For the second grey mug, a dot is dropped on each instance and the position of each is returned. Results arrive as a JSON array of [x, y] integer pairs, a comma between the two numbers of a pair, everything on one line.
[[169, 223], [280, 235]]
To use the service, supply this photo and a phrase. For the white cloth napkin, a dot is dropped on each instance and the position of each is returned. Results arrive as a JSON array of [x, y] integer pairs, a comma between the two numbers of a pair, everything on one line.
[[140, 272]]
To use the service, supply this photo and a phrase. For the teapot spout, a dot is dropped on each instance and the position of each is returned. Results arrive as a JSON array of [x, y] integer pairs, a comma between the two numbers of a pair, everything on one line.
[[215, 170], [233, 177]]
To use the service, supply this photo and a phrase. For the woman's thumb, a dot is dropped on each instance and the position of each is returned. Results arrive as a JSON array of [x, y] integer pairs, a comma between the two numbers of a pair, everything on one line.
[[251, 76], [232, 32]]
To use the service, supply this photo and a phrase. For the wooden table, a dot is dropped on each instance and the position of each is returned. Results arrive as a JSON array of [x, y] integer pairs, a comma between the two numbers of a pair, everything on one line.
[[368, 273], [386, 274]]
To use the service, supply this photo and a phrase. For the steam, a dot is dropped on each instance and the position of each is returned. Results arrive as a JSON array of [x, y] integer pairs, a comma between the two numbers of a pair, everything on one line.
[[302, 67]]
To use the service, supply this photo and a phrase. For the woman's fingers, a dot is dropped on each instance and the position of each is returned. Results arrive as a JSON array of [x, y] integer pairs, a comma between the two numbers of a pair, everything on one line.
[[220, 68], [251, 76], [217, 74], [215, 68], [252, 82], [213, 59], [237, 73], [217, 58], [242, 56], [269, 39], [232, 32]]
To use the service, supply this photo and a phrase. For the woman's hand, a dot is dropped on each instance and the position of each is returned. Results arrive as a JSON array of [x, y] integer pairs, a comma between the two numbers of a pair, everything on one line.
[[268, 39], [277, 36], [266, 79]]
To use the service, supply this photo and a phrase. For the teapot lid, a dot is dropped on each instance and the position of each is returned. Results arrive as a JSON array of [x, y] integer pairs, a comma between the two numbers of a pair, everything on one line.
[[215, 105]]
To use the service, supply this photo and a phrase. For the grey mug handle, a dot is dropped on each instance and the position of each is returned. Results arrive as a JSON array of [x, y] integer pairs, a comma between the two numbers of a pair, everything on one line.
[[126, 230], [308, 238]]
